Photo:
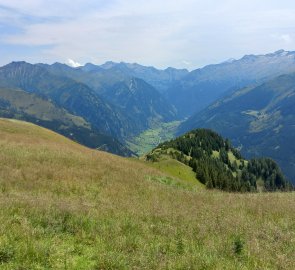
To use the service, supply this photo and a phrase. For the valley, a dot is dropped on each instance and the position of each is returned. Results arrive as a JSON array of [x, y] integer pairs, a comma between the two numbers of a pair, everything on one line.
[[147, 135], [188, 202], [128, 109], [149, 139]]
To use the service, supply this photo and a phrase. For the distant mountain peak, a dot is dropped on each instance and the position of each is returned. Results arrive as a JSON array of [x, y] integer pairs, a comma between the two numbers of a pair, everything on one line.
[[108, 65], [88, 67], [280, 51], [18, 63], [249, 57], [230, 60], [58, 64], [172, 69]]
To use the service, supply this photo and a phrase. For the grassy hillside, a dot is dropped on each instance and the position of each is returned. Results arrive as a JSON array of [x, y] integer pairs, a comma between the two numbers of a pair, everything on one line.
[[64, 206], [177, 174]]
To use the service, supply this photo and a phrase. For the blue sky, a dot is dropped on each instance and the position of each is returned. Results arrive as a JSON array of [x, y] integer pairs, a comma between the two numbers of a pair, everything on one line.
[[183, 34]]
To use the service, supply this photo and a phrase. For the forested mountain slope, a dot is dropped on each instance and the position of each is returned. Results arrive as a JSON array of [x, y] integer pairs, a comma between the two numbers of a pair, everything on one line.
[[260, 120], [218, 165]]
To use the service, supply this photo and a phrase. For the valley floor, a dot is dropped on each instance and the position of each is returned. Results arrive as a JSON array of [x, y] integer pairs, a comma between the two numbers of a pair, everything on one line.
[[151, 138], [63, 206]]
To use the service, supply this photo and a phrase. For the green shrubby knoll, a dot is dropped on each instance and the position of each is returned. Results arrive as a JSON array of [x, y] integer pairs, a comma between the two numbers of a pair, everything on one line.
[[219, 165]]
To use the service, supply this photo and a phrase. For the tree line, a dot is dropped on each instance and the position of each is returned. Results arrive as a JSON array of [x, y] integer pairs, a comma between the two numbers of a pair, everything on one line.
[[219, 165]]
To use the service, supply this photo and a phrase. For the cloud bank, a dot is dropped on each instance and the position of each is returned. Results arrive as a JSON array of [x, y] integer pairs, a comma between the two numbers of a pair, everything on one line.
[[160, 33]]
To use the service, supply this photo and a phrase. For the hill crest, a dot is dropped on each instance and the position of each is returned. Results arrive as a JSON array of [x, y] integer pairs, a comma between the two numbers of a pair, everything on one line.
[[219, 165]]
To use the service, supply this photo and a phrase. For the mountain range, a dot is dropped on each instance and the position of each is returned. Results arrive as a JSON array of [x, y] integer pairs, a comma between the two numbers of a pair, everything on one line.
[[105, 113], [75, 97], [201, 87], [100, 78], [247, 100]]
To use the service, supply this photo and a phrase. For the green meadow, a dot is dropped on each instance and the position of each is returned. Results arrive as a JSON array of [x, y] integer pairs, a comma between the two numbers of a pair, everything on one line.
[[64, 206], [150, 138]]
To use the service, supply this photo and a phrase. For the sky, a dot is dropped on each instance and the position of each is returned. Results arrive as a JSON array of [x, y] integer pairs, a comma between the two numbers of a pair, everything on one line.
[[168, 33]]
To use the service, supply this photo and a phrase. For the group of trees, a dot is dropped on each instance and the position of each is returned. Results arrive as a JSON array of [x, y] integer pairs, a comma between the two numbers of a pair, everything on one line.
[[200, 139], [207, 153], [213, 173], [270, 172]]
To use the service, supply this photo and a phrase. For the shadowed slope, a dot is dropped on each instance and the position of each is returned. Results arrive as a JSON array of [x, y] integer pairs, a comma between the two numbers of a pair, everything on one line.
[[260, 120], [77, 98], [201, 87], [18, 104]]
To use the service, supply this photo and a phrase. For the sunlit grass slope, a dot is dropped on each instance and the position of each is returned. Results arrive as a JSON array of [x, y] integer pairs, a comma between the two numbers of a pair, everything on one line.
[[63, 206], [181, 175]]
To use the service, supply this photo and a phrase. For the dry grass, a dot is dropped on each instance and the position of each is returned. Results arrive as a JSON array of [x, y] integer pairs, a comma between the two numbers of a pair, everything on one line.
[[64, 206]]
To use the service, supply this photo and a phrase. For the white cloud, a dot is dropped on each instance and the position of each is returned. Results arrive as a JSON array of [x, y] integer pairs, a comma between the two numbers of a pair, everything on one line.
[[73, 63], [187, 63], [160, 33], [286, 38], [283, 39]]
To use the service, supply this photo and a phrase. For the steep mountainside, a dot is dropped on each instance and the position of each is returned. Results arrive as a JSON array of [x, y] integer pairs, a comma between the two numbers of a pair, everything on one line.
[[203, 86], [136, 100], [134, 96], [19, 104], [218, 165], [75, 97], [120, 84], [260, 120], [143, 102]]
